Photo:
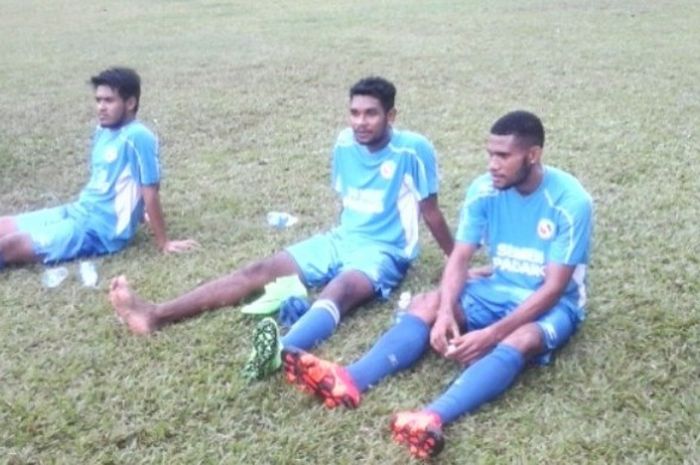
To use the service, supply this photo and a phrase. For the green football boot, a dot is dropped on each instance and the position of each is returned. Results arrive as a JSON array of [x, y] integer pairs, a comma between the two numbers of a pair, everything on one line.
[[275, 293], [265, 358]]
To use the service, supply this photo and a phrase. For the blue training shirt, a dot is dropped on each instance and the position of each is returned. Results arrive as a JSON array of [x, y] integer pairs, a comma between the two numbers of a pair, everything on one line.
[[380, 190], [122, 160], [553, 224]]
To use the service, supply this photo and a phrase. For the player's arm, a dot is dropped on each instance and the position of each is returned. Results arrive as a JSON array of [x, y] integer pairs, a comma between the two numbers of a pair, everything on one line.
[[434, 219], [156, 221], [556, 278], [477, 272], [454, 276], [145, 147], [474, 344], [425, 176], [568, 248]]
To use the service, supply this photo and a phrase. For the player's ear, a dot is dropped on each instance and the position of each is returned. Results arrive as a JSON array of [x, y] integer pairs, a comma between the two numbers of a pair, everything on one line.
[[131, 104], [534, 154], [391, 115]]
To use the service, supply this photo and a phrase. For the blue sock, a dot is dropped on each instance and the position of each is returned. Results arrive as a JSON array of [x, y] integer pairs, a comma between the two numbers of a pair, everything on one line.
[[314, 327], [397, 349], [483, 381]]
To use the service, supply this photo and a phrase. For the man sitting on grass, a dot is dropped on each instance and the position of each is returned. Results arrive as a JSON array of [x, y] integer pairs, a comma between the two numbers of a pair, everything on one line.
[[124, 180], [536, 222], [386, 179]]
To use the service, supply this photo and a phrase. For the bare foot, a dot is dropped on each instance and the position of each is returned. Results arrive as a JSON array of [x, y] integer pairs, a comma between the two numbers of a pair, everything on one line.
[[130, 308]]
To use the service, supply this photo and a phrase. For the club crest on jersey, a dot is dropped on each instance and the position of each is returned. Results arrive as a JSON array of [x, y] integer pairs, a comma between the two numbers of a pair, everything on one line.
[[387, 169], [110, 154], [545, 228]]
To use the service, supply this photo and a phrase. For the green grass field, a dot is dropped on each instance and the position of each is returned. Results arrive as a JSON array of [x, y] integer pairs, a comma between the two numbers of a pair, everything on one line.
[[247, 98]]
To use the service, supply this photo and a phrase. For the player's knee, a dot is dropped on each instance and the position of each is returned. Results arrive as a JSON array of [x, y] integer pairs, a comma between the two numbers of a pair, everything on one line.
[[360, 285], [259, 271], [7, 225], [263, 271], [348, 290], [425, 306], [527, 339], [17, 248], [8, 242]]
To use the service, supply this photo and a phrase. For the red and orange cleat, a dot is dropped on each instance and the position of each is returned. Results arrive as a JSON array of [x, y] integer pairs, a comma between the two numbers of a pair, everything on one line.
[[420, 431], [328, 381]]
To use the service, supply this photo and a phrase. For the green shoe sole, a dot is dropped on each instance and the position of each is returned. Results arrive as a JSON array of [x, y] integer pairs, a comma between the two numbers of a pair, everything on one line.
[[265, 357]]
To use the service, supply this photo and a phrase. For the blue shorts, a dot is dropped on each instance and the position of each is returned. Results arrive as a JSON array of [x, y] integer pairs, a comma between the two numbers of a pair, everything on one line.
[[324, 256], [59, 234], [556, 326]]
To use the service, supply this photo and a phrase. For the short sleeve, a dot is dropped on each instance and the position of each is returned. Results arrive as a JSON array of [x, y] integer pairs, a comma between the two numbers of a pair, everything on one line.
[[427, 178], [145, 146], [571, 244], [336, 170], [473, 216]]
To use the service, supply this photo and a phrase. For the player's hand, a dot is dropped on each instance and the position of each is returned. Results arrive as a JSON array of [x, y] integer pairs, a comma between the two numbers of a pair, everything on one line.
[[444, 330], [479, 272], [469, 347], [179, 246]]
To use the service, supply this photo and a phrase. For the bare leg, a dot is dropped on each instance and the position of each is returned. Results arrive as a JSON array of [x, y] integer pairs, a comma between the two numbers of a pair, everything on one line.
[[425, 306], [144, 317], [7, 225], [17, 248], [342, 294], [527, 339], [348, 290]]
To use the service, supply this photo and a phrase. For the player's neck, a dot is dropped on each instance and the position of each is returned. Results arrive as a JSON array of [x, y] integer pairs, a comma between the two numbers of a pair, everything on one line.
[[381, 142], [126, 120], [532, 182]]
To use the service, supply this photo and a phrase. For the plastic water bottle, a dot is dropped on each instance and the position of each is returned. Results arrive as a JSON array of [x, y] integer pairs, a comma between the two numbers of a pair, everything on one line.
[[88, 274], [401, 307], [281, 220], [404, 300], [53, 277]]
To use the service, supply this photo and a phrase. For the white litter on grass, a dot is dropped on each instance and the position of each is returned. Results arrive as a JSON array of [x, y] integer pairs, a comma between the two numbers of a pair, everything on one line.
[[88, 274], [281, 220], [404, 300], [53, 277]]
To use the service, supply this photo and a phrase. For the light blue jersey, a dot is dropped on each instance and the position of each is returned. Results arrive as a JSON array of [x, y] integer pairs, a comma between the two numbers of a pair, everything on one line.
[[523, 233], [122, 161], [378, 231], [110, 207], [380, 191]]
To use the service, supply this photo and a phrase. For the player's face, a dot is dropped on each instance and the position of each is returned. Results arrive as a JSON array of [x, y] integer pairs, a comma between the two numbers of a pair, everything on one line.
[[510, 164], [112, 109], [368, 120]]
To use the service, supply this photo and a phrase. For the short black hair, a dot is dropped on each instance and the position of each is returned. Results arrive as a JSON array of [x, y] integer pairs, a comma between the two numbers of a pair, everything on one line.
[[376, 87], [124, 80], [525, 126]]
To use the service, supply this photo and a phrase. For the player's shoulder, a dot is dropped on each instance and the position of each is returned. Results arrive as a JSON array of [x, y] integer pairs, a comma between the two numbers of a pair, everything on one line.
[[482, 186], [564, 187], [345, 138], [406, 139], [137, 131], [408, 136]]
